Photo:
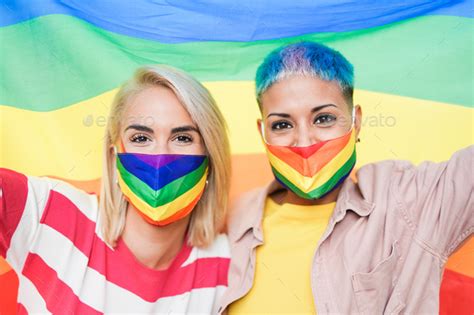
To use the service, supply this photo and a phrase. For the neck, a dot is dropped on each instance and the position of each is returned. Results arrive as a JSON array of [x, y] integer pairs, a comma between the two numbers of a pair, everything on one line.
[[154, 246], [287, 196]]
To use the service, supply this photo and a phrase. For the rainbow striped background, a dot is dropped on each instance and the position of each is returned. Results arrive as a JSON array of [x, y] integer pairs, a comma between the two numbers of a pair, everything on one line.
[[61, 63]]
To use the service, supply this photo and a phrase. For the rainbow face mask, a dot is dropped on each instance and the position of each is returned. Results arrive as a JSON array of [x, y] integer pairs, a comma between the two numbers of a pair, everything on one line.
[[313, 171], [162, 187]]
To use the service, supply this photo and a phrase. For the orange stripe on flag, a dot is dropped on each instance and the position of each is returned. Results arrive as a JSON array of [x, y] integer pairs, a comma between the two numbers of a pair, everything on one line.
[[462, 260]]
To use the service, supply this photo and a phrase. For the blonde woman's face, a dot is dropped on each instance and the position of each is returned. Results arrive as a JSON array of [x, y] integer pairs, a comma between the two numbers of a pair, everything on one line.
[[155, 122]]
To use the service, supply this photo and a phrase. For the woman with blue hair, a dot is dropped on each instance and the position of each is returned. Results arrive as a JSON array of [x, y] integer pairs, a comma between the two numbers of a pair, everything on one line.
[[315, 240]]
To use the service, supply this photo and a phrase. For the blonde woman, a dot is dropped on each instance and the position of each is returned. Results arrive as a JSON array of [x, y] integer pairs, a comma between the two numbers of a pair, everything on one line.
[[151, 244]]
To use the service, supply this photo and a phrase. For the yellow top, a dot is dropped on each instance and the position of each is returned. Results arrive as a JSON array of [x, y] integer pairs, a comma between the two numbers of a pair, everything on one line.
[[282, 282]]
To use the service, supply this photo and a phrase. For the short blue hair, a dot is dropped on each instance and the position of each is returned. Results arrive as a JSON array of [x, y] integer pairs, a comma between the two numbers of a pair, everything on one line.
[[306, 58]]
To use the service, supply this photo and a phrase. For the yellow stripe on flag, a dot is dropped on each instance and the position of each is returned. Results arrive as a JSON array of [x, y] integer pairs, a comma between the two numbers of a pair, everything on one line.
[[67, 143]]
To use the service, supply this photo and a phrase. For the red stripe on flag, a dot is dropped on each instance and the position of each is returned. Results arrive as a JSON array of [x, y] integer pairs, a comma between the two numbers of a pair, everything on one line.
[[8, 292], [456, 294]]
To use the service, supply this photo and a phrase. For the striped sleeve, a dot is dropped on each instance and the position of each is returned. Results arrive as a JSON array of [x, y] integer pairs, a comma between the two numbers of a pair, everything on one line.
[[13, 192], [22, 202]]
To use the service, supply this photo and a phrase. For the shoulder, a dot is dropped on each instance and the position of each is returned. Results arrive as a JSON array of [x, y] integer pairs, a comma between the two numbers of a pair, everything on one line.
[[245, 210], [383, 168], [219, 245], [375, 180], [403, 170], [219, 250], [40, 191], [240, 203], [62, 198]]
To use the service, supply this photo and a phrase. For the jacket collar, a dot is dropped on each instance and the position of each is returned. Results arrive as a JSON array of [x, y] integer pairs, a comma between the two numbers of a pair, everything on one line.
[[349, 198]]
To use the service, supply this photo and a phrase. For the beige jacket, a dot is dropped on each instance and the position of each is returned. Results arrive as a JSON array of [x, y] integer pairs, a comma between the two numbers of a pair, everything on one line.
[[385, 247]]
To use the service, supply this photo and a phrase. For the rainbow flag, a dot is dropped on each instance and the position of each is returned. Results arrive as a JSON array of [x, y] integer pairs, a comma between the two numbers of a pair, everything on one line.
[[61, 64]]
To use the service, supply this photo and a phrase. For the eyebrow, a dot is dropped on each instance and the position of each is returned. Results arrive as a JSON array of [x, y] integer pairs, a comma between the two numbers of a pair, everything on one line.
[[279, 115], [140, 128], [313, 110], [318, 108], [184, 129], [174, 130]]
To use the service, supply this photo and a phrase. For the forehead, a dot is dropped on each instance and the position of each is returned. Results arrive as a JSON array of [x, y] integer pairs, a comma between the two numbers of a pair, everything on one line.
[[156, 106], [302, 93]]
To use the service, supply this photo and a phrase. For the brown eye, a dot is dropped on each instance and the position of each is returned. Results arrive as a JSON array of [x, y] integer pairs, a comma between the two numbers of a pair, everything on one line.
[[139, 138], [325, 119], [183, 139], [280, 125]]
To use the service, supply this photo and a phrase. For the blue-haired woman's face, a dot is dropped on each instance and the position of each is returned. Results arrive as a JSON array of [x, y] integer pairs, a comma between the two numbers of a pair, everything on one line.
[[300, 111]]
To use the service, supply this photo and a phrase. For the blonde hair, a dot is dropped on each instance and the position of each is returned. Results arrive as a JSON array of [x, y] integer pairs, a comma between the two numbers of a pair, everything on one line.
[[208, 216]]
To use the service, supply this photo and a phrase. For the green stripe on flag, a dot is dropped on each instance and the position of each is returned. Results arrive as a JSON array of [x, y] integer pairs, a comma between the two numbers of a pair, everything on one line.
[[55, 61]]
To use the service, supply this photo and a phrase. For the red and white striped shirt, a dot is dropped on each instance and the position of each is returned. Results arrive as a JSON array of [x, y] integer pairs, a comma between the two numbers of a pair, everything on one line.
[[49, 235]]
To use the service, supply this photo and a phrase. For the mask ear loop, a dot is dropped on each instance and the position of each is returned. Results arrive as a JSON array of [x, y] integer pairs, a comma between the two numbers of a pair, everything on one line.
[[116, 171], [353, 122], [353, 117], [262, 130]]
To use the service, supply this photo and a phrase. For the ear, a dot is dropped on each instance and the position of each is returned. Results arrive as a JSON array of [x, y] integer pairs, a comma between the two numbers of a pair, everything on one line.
[[112, 150], [260, 126], [358, 119]]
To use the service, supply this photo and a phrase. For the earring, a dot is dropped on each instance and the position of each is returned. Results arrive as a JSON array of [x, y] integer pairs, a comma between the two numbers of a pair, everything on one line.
[[358, 139], [207, 182]]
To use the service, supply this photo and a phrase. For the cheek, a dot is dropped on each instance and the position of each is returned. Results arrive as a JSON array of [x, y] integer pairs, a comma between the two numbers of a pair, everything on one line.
[[128, 146], [336, 131], [197, 147], [124, 144], [200, 147], [194, 149]]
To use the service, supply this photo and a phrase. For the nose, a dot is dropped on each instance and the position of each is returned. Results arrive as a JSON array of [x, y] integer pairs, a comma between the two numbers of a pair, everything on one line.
[[162, 146], [304, 137]]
